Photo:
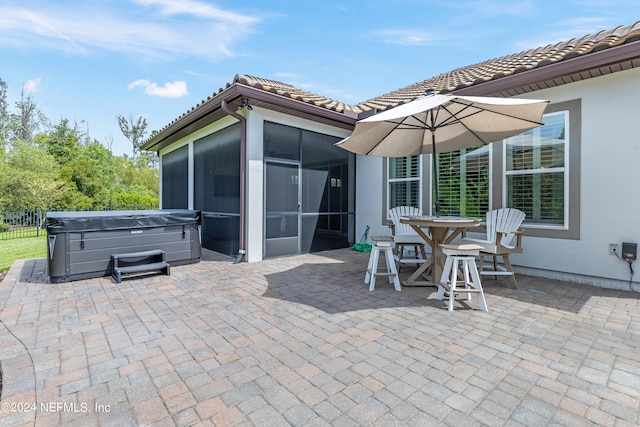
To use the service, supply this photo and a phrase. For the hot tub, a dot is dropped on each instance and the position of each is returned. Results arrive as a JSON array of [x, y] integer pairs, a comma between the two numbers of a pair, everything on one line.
[[80, 244]]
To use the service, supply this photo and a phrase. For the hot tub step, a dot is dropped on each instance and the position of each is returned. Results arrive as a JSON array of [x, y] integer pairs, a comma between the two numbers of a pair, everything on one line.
[[138, 262]]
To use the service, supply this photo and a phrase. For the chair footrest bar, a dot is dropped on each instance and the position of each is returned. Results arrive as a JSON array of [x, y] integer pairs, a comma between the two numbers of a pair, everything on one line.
[[380, 273], [410, 260], [496, 273], [461, 289]]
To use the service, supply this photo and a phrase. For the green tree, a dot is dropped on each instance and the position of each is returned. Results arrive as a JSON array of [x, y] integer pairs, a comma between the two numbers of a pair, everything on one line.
[[4, 178], [134, 131], [4, 115], [94, 171], [31, 178], [62, 142], [29, 121], [4, 125], [59, 166], [137, 183]]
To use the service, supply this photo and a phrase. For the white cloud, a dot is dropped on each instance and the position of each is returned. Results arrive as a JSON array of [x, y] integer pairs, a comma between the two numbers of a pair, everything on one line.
[[406, 37], [138, 83], [197, 8], [154, 29], [175, 89], [32, 85]]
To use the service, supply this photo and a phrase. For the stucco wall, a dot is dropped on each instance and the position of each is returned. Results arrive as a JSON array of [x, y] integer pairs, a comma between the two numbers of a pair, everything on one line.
[[609, 186]]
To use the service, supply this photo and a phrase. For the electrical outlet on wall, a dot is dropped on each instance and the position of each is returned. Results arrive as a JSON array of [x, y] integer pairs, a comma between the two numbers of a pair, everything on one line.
[[614, 249]]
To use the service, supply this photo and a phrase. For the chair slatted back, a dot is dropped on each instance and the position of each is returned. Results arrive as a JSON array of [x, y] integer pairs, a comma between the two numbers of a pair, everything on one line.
[[400, 211], [506, 220]]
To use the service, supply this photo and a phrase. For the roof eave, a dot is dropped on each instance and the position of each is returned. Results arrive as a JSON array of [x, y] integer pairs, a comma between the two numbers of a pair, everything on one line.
[[533, 77], [209, 111]]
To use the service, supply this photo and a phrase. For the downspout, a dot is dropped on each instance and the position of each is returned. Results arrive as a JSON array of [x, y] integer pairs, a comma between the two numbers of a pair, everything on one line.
[[243, 171]]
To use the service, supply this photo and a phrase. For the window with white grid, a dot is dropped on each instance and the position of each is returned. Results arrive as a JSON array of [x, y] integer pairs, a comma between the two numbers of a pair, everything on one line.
[[404, 182], [536, 171], [463, 182]]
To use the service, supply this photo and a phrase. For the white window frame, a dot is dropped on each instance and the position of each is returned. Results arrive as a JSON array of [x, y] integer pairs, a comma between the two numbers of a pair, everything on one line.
[[565, 170], [405, 179]]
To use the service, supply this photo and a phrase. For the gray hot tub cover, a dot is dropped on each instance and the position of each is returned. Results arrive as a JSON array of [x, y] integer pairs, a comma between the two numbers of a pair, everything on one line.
[[58, 222]]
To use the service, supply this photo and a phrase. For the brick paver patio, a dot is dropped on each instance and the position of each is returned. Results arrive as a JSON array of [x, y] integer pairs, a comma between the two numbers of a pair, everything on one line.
[[301, 341]]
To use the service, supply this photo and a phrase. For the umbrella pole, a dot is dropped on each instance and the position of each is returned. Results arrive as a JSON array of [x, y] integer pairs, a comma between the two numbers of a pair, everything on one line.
[[435, 170]]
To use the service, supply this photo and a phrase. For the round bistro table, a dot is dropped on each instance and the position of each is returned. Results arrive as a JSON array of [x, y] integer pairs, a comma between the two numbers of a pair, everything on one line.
[[439, 230]]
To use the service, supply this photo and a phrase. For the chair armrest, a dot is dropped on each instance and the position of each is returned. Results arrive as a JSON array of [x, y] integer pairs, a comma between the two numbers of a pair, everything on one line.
[[477, 230], [516, 248]]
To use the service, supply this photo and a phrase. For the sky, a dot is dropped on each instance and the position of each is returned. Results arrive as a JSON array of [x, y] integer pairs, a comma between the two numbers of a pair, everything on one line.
[[89, 61]]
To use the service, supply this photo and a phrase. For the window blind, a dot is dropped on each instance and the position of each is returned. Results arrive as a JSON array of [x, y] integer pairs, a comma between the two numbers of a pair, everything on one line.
[[535, 168], [464, 182]]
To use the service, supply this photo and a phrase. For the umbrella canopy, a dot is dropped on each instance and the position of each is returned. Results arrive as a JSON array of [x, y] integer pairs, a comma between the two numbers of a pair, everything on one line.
[[442, 123]]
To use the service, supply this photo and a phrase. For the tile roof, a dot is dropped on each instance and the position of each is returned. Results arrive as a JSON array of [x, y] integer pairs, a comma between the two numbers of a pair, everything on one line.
[[292, 92], [270, 86], [466, 77], [509, 65]]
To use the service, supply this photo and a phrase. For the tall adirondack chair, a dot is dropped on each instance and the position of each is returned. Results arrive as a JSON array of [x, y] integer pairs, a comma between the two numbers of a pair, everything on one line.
[[504, 237], [405, 237]]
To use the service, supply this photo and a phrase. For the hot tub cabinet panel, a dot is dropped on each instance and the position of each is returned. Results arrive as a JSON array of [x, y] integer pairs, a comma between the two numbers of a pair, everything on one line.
[[80, 244]]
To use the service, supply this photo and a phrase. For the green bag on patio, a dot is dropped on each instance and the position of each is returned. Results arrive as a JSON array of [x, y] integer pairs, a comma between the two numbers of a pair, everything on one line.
[[362, 246]]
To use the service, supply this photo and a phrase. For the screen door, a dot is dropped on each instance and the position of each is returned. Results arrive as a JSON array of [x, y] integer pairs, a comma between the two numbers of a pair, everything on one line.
[[282, 208]]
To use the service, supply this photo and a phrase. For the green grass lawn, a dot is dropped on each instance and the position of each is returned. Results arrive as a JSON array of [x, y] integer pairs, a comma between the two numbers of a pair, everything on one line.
[[26, 247]]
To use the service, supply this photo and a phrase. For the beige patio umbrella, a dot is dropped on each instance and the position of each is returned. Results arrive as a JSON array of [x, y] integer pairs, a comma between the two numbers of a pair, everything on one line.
[[442, 123]]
